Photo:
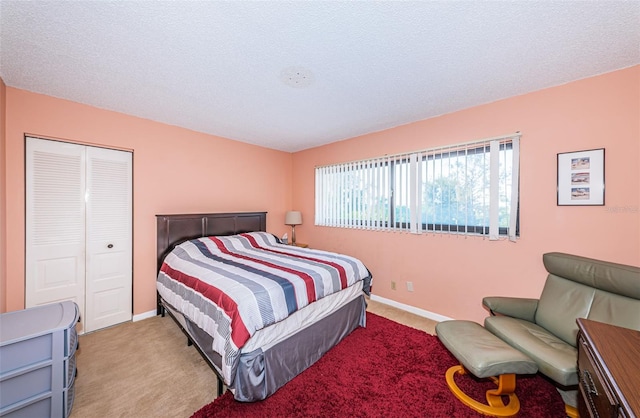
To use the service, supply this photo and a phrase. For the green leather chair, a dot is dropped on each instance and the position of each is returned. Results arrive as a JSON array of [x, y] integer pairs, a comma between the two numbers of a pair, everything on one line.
[[545, 329]]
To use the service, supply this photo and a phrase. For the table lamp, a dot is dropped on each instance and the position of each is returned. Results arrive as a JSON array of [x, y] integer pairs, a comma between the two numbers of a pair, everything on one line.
[[293, 218]]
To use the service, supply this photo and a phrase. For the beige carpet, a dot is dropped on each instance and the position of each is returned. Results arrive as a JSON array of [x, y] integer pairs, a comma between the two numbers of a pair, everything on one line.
[[146, 369]]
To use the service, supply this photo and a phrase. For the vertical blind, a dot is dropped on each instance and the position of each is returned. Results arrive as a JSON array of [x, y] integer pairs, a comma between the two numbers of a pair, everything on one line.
[[469, 188]]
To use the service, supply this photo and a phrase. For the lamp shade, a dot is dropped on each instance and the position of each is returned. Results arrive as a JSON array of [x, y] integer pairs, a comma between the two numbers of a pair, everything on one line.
[[293, 217]]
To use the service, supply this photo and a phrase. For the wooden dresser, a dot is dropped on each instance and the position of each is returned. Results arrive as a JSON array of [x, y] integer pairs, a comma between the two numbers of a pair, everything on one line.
[[609, 370]]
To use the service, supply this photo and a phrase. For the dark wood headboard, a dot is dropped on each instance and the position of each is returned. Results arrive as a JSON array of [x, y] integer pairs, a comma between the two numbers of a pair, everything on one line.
[[175, 229]]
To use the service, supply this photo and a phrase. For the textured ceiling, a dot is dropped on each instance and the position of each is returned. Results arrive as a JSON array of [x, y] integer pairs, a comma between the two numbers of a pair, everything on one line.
[[294, 75]]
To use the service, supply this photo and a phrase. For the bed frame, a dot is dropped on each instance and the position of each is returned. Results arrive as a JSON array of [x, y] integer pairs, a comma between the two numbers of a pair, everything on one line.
[[173, 230], [284, 359]]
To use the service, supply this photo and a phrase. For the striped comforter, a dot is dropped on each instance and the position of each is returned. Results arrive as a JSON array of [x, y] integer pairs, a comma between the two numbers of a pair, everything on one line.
[[233, 286]]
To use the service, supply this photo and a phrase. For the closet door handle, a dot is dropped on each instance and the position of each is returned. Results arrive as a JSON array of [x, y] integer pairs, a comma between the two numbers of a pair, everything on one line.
[[110, 246]]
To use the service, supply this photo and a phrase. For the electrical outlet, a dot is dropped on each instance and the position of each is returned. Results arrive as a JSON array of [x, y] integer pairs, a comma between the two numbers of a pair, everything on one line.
[[410, 286], [393, 285]]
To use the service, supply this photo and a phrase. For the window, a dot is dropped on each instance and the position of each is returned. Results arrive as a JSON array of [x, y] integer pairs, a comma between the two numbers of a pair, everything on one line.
[[467, 188]]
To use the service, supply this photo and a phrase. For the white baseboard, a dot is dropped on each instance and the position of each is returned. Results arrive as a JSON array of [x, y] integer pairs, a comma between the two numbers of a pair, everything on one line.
[[145, 315], [417, 311]]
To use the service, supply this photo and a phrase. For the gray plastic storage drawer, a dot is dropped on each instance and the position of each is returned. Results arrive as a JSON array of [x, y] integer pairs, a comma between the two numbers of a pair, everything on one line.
[[24, 353], [38, 382], [37, 361], [36, 409]]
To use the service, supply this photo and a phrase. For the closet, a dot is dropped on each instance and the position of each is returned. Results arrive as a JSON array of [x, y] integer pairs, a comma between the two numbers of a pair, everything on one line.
[[79, 230]]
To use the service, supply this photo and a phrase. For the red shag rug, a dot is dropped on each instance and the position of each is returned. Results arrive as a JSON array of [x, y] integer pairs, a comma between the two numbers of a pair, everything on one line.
[[384, 370]]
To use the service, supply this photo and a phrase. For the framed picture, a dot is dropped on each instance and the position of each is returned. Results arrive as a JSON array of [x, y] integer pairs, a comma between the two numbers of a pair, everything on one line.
[[581, 178]]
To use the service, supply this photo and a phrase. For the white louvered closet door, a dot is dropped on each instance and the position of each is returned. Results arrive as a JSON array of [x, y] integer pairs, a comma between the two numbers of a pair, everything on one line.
[[108, 281], [79, 230], [55, 219]]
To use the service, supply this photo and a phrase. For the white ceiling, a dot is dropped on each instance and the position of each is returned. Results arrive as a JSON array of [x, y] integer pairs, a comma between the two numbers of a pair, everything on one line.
[[294, 75]]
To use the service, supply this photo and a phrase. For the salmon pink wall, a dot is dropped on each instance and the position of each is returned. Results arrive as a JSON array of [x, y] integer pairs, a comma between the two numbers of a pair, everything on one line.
[[3, 199], [175, 171], [451, 274]]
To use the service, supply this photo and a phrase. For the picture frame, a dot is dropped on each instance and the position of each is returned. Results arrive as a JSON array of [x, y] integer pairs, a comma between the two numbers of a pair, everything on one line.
[[581, 178]]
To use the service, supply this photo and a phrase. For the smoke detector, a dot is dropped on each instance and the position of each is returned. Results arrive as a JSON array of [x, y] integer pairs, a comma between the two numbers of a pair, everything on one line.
[[296, 77]]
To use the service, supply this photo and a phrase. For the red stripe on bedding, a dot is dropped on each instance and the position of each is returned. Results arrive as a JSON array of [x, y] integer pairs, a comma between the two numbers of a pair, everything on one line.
[[307, 279], [239, 332], [341, 271]]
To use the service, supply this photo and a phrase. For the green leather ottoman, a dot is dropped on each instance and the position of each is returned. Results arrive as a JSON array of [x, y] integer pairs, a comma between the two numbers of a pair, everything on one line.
[[485, 356]]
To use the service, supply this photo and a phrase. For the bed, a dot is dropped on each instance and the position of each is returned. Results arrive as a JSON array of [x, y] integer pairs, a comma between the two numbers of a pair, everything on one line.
[[303, 301]]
